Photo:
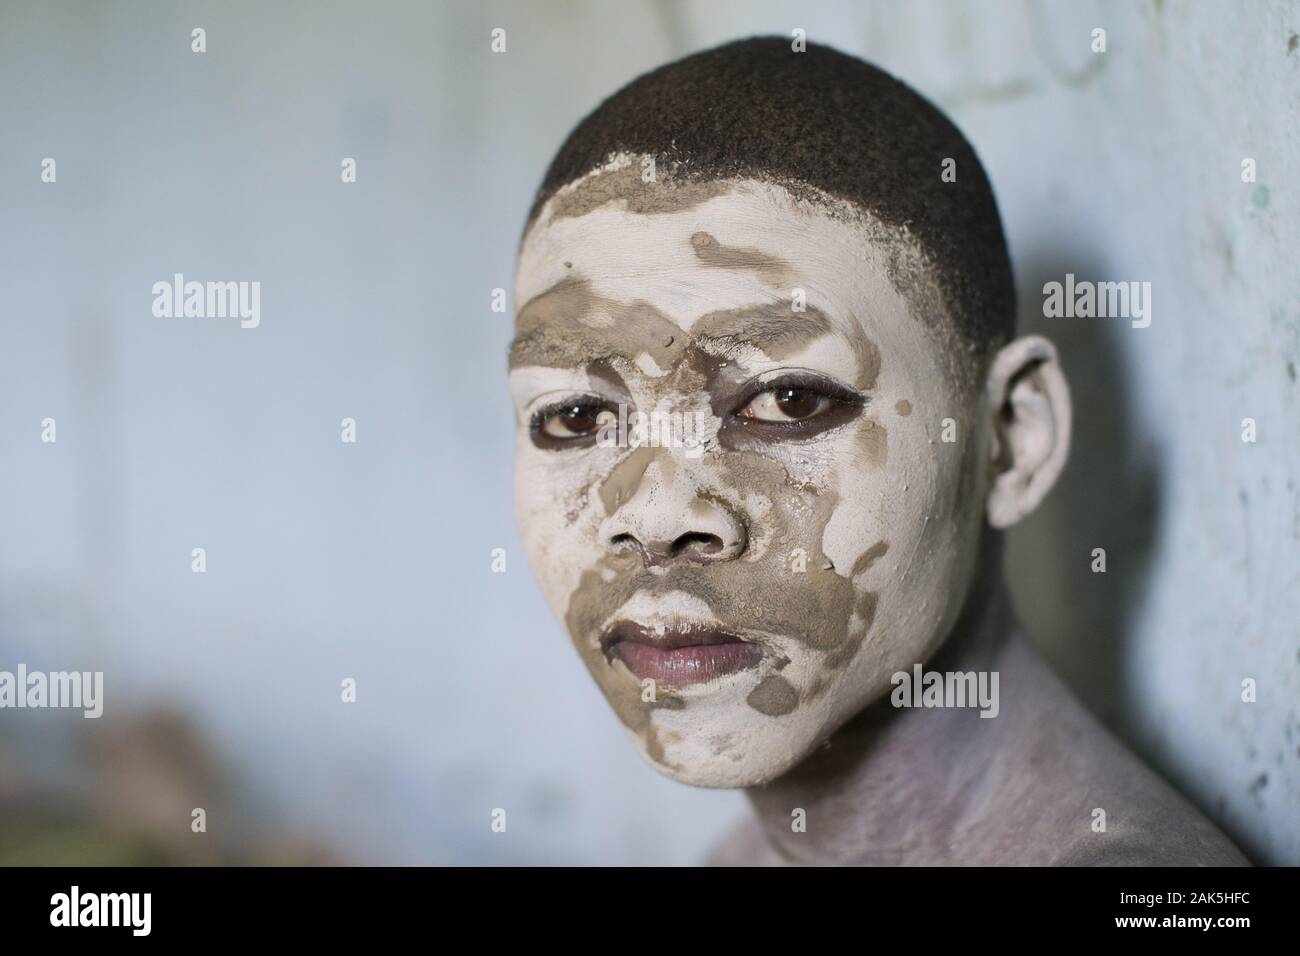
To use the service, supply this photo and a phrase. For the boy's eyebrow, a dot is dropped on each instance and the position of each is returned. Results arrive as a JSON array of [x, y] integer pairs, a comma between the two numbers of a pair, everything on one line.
[[546, 324], [550, 327], [780, 332], [551, 331], [774, 327]]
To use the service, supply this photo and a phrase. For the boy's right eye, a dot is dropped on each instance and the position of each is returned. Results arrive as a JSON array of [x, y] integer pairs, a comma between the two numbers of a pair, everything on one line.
[[571, 423]]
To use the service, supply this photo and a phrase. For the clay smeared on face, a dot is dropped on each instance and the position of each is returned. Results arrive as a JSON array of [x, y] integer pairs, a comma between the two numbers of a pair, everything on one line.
[[773, 270], [691, 315], [631, 189]]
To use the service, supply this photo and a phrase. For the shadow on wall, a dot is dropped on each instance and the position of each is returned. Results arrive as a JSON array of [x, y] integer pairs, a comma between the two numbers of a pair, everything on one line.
[[1107, 498]]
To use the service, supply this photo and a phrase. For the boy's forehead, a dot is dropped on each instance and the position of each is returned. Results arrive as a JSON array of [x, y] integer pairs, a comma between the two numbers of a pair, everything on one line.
[[731, 229], [740, 248]]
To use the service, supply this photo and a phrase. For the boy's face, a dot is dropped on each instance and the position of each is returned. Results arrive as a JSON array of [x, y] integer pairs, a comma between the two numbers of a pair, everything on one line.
[[795, 528]]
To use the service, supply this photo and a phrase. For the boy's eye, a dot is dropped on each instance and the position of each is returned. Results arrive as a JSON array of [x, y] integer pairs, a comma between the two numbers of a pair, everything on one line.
[[798, 407], [572, 421], [785, 404]]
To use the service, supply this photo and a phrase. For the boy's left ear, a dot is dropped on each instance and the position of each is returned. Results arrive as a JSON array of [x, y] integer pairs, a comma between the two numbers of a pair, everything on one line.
[[1029, 401]]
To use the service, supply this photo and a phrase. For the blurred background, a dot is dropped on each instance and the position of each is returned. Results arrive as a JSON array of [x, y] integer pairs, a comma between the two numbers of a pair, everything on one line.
[[373, 561]]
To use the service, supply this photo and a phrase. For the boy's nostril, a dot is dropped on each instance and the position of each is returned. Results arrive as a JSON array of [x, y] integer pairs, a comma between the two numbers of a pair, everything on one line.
[[624, 540], [699, 546], [697, 543]]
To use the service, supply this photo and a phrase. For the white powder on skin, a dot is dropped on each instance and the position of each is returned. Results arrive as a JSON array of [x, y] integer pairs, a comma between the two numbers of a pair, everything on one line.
[[898, 487]]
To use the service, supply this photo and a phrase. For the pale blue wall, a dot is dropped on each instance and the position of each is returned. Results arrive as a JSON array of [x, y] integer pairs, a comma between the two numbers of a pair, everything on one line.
[[371, 561]]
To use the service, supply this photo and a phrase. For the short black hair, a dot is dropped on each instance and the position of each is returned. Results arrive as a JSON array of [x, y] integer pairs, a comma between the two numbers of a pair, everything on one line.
[[756, 109]]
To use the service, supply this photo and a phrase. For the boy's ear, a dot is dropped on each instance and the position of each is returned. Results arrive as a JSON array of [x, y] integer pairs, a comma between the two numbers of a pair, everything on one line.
[[1029, 404]]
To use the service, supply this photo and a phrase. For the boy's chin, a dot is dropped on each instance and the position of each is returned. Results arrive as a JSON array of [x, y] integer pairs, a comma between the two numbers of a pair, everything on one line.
[[726, 772]]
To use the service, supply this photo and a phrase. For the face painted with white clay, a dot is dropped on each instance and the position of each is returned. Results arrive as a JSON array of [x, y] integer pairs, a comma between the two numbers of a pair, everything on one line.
[[737, 604]]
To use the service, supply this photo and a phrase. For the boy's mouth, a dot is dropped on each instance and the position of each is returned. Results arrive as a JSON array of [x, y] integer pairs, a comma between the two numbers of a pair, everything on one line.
[[678, 655]]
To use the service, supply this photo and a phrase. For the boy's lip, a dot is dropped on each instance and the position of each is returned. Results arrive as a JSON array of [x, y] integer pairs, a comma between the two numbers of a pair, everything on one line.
[[678, 655]]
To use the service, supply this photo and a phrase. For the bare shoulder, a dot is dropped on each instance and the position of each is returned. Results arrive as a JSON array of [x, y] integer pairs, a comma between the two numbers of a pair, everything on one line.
[[1104, 805], [1193, 842], [1136, 818]]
